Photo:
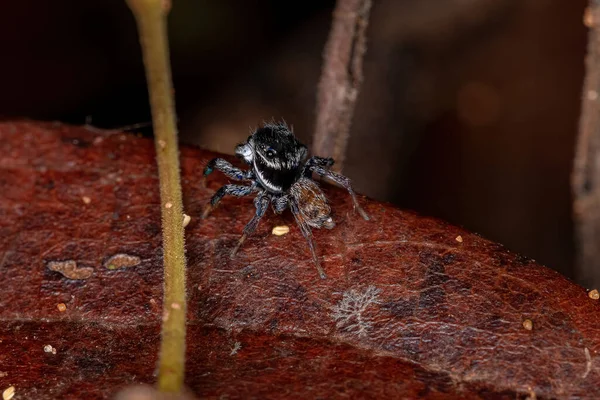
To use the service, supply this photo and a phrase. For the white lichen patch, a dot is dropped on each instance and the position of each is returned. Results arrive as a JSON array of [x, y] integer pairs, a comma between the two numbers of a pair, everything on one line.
[[350, 312]]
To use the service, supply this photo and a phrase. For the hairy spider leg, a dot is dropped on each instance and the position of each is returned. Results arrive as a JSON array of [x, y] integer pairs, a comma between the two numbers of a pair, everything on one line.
[[316, 161], [307, 233], [234, 190], [226, 168], [345, 183], [261, 202]]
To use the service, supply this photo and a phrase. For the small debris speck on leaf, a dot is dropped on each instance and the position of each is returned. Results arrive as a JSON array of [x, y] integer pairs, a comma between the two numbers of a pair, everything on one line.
[[588, 362], [235, 348], [8, 393], [86, 200], [459, 239], [122, 261], [527, 324], [62, 307], [49, 349], [70, 270], [168, 205], [186, 220], [280, 230], [594, 295]]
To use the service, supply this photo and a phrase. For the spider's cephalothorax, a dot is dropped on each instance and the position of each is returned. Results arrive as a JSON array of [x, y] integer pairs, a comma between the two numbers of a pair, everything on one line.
[[276, 157], [281, 175]]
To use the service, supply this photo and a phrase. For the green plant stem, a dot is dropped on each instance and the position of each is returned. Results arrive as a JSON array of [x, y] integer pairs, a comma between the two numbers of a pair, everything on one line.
[[151, 21]]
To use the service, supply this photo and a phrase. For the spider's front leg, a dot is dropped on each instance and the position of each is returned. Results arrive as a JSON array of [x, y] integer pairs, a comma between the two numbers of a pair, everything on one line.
[[262, 203], [234, 190], [316, 161], [226, 168], [307, 233], [342, 181]]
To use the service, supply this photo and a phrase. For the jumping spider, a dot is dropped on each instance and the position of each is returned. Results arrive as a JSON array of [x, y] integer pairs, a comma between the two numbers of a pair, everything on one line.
[[282, 176]]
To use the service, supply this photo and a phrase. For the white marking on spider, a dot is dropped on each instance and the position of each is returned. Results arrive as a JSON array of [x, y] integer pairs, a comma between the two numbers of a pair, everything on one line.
[[266, 182], [270, 163]]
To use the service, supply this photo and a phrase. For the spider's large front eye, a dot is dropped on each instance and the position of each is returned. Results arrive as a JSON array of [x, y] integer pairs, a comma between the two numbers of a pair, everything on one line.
[[270, 153]]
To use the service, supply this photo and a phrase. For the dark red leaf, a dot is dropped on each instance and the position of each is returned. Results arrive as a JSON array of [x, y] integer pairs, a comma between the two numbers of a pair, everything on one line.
[[409, 310]]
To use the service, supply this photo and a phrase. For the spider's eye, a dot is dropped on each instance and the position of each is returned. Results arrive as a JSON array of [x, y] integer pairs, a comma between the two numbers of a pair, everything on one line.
[[270, 153]]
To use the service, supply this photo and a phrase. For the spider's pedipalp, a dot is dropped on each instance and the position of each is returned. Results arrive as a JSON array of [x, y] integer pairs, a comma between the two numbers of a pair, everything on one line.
[[280, 203]]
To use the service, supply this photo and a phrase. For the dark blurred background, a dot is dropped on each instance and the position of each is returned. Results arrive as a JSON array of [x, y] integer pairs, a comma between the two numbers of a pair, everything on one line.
[[469, 109]]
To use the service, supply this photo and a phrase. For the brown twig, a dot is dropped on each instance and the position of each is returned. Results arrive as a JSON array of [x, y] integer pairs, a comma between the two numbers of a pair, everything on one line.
[[341, 79], [586, 171], [150, 16]]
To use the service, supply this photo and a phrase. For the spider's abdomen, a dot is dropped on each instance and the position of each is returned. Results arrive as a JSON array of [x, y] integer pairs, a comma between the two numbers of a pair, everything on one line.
[[312, 203]]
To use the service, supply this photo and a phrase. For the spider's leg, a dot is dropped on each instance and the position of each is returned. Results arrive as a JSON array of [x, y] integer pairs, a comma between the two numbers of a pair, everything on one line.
[[225, 167], [262, 204], [344, 182], [234, 190], [320, 161], [315, 161], [306, 232]]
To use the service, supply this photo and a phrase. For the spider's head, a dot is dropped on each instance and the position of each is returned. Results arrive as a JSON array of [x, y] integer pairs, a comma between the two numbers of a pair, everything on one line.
[[276, 147], [275, 154]]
